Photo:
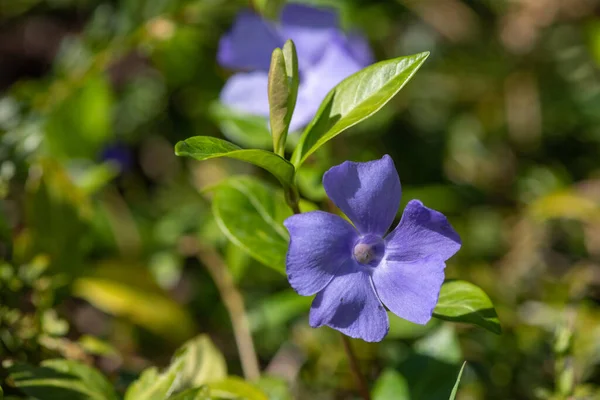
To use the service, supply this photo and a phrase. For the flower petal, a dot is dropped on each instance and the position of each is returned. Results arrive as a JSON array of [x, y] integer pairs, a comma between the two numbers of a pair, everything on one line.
[[359, 48], [335, 65], [247, 92], [410, 289], [350, 305], [367, 192], [421, 233], [310, 28], [249, 44], [319, 244]]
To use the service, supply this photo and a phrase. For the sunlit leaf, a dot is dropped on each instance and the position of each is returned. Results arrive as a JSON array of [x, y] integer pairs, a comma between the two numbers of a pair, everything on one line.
[[60, 379], [200, 393], [128, 291], [250, 213], [355, 99], [202, 362], [282, 91], [455, 389], [390, 386], [205, 147], [462, 301], [153, 385], [194, 364], [235, 388], [566, 204]]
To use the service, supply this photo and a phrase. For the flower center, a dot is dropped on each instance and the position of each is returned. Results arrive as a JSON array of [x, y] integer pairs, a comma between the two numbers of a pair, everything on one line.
[[369, 250]]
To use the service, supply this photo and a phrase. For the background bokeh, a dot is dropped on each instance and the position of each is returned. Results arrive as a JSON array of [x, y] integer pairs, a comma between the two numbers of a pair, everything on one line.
[[105, 234]]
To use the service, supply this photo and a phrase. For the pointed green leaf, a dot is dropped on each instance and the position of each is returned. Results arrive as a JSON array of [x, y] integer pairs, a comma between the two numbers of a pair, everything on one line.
[[391, 385], [282, 91], [152, 385], [462, 301], [60, 379], [205, 147], [202, 363], [455, 389], [354, 99]]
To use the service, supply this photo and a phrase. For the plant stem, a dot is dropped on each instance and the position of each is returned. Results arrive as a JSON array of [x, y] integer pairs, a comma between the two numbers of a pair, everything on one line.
[[234, 303], [362, 384], [292, 198]]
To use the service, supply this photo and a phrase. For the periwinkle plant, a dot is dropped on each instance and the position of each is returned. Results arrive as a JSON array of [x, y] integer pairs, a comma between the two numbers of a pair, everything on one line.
[[354, 266]]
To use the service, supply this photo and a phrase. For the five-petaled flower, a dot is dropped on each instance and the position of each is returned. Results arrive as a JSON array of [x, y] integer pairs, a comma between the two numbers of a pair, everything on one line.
[[353, 269], [325, 57]]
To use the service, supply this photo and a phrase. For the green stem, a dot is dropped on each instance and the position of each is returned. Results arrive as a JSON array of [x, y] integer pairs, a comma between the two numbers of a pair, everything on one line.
[[292, 198], [360, 379], [234, 303]]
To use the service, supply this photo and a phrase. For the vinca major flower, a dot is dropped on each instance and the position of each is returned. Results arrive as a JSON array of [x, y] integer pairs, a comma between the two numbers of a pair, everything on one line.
[[355, 269], [325, 57]]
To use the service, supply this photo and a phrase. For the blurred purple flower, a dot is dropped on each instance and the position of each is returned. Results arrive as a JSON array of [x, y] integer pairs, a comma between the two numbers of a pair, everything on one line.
[[325, 56], [354, 269], [119, 154]]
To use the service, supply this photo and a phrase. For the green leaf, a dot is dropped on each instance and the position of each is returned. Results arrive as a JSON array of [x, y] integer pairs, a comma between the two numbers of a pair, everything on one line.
[[129, 291], [455, 389], [152, 385], [462, 301], [277, 309], [195, 363], [60, 379], [206, 147], [235, 388], [282, 91], [202, 363], [354, 99], [247, 130], [200, 393], [81, 123], [250, 213], [391, 386]]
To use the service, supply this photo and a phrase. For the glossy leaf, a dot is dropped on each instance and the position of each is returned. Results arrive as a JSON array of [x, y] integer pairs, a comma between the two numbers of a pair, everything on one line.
[[153, 385], [251, 131], [250, 213], [455, 389], [462, 301], [355, 99], [60, 379], [391, 386], [202, 363], [206, 147], [282, 91], [235, 388]]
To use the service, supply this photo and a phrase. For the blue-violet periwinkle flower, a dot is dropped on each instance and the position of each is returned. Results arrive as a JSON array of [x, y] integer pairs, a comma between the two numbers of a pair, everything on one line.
[[353, 269], [325, 57]]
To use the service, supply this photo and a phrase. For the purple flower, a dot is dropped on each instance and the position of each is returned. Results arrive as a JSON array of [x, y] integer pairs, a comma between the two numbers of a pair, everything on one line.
[[353, 269], [325, 57]]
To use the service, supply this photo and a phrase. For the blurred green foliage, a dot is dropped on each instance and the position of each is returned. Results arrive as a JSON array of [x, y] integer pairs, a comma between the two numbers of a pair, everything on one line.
[[100, 248]]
